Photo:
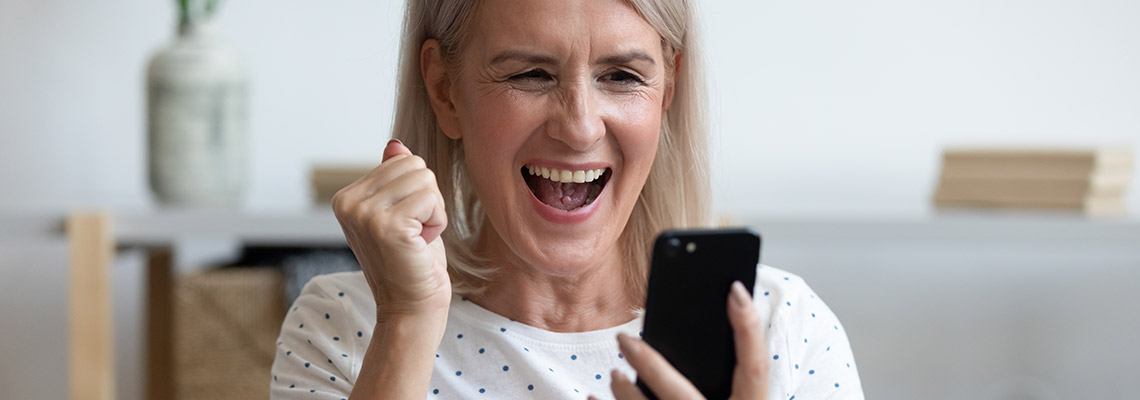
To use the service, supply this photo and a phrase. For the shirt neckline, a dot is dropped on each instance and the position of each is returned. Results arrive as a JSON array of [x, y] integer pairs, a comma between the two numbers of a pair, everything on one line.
[[477, 315]]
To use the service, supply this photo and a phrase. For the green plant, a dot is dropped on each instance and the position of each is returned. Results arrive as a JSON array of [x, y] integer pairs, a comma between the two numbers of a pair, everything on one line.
[[194, 9]]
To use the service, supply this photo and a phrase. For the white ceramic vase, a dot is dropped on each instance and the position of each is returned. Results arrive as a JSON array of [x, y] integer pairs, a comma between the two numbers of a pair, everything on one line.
[[197, 122]]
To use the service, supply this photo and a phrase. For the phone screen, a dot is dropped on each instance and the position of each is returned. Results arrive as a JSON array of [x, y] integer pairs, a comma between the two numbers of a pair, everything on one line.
[[686, 315]]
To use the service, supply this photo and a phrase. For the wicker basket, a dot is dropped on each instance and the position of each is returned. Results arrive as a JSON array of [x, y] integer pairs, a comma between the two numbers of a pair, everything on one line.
[[225, 328]]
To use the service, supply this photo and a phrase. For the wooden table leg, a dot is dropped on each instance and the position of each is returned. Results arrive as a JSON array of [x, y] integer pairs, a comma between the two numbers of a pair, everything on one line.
[[91, 352], [159, 323]]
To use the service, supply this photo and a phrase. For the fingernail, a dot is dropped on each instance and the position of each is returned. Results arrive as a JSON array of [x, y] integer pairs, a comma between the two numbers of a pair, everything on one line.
[[394, 141], [617, 376], [740, 294]]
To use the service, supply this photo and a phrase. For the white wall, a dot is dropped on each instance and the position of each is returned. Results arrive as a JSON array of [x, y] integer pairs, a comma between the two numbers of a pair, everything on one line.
[[842, 107], [826, 107]]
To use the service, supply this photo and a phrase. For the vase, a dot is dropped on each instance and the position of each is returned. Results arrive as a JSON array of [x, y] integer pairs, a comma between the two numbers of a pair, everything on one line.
[[197, 121]]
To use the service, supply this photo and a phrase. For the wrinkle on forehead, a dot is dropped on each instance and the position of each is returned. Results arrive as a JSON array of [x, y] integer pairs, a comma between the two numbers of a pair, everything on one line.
[[563, 29]]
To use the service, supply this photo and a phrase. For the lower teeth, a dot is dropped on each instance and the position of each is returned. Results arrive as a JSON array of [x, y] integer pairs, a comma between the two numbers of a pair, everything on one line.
[[563, 196]]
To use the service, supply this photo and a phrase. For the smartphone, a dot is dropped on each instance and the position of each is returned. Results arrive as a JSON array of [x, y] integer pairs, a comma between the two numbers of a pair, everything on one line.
[[686, 308]]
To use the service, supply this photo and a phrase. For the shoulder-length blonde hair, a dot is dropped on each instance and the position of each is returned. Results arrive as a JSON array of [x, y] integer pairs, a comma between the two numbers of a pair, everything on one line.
[[676, 193]]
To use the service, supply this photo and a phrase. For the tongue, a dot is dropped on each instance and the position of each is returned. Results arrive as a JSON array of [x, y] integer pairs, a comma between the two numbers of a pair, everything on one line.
[[563, 196]]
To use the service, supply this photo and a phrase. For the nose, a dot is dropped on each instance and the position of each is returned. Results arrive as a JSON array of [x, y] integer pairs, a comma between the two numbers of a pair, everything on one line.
[[577, 121]]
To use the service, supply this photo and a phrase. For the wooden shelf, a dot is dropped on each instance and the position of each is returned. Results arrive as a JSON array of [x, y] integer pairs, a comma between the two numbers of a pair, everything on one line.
[[320, 228], [950, 227], [315, 228]]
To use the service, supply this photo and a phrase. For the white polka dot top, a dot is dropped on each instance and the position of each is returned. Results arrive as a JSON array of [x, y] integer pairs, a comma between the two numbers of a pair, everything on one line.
[[485, 355]]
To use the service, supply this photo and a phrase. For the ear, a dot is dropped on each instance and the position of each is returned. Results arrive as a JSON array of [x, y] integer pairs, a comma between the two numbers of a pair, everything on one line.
[[671, 82], [438, 85]]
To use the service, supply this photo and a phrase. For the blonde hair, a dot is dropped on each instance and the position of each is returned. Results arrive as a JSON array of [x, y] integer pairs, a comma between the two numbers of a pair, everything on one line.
[[675, 194]]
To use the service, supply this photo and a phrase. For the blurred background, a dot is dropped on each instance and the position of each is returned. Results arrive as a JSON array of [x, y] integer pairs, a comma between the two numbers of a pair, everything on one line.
[[829, 119]]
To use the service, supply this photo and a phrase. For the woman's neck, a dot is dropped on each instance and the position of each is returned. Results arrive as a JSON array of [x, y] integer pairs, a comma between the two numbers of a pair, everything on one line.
[[594, 298]]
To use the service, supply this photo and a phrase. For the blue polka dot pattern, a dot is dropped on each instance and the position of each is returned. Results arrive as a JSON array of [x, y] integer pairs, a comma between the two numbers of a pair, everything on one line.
[[478, 358]]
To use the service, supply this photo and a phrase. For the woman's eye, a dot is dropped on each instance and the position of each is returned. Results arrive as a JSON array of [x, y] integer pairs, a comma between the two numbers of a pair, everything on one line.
[[534, 74], [623, 77]]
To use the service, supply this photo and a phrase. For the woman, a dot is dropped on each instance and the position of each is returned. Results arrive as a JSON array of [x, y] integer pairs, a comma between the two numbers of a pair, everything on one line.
[[504, 246]]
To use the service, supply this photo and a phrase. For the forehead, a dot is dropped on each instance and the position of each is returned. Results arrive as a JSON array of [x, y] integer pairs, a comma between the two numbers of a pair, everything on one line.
[[563, 26]]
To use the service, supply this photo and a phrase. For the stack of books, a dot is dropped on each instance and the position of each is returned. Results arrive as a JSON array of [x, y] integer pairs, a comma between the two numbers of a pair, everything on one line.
[[1091, 181], [326, 180]]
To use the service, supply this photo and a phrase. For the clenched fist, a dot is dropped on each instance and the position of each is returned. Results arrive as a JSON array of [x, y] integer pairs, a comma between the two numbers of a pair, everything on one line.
[[392, 219]]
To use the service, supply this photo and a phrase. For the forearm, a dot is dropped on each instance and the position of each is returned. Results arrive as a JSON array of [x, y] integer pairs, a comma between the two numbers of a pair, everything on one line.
[[399, 359]]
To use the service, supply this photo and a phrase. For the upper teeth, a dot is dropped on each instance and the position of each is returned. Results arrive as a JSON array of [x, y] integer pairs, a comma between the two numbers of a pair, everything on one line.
[[566, 176]]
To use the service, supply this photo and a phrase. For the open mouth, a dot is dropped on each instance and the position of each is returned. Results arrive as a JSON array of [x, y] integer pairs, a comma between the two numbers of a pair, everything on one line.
[[565, 189]]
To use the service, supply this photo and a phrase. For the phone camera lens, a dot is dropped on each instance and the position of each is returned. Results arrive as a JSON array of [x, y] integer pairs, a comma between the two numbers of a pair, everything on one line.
[[673, 248]]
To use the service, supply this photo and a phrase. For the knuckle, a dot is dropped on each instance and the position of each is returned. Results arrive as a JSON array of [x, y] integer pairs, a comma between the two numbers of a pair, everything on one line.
[[426, 177], [417, 162], [341, 204]]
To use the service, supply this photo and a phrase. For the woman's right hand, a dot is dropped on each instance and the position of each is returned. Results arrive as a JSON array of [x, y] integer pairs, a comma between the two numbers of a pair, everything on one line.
[[392, 219]]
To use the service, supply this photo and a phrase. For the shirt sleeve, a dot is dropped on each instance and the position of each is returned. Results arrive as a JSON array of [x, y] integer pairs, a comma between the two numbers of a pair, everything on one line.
[[314, 354], [820, 363]]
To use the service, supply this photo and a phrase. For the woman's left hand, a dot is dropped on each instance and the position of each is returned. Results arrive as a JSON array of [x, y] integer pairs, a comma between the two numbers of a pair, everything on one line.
[[749, 379]]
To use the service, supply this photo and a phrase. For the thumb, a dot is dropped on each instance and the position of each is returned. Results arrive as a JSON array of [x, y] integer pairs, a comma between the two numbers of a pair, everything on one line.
[[394, 148]]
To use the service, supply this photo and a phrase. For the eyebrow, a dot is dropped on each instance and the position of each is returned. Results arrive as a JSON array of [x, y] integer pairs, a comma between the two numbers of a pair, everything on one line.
[[515, 55], [536, 58], [627, 57]]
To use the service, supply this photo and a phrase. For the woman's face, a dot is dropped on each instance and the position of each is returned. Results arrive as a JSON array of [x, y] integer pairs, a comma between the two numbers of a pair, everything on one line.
[[559, 105]]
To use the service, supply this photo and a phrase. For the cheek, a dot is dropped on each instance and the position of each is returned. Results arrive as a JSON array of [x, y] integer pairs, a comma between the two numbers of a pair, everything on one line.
[[496, 125], [495, 128], [637, 129]]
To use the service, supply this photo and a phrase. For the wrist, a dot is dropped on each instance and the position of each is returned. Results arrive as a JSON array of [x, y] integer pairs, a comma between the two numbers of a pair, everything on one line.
[[410, 306], [398, 362], [406, 326]]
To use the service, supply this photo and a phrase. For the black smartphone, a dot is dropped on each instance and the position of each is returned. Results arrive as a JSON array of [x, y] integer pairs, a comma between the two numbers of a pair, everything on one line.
[[686, 314]]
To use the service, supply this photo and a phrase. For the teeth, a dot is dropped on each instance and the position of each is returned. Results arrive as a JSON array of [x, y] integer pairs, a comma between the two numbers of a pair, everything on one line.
[[566, 176], [579, 176]]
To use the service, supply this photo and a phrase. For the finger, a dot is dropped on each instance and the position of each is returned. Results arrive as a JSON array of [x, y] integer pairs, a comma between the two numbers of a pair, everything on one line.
[[367, 185], [427, 217], [397, 160], [664, 380], [392, 169], [623, 388], [394, 148], [750, 378], [403, 186]]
